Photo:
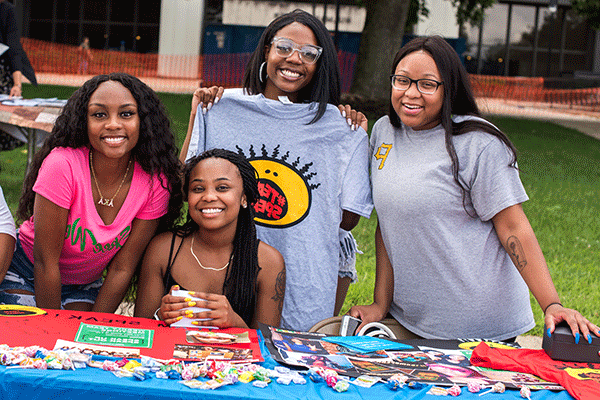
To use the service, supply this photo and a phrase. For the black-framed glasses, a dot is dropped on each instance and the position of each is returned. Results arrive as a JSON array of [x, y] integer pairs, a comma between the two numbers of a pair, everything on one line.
[[285, 47], [425, 86]]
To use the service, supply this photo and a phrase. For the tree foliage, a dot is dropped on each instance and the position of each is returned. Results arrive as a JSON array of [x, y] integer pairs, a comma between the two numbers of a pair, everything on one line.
[[589, 9]]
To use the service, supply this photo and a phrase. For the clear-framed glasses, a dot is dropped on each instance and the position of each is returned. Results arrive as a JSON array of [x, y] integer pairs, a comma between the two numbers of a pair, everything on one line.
[[425, 86], [285, 47]]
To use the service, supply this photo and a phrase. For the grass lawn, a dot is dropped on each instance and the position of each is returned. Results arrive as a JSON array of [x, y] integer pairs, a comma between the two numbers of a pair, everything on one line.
[[560, 169]]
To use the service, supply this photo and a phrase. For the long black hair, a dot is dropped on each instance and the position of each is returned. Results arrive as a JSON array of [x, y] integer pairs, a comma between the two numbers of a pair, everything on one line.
[[155, 150], [458, 98], [240, 285], [325, 85]]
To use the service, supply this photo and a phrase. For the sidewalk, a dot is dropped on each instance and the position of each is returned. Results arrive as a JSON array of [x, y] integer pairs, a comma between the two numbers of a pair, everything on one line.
[[587, 122]]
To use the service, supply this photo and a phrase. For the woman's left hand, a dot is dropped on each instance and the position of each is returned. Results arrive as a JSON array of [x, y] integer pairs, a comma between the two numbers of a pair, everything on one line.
[[354, 118], [220, 315], [580, 326]]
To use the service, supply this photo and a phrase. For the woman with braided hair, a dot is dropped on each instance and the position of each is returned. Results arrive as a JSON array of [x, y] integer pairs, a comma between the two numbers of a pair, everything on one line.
[[215, 254]]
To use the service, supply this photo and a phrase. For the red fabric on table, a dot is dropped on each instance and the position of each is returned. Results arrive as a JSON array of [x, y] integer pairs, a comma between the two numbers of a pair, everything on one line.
[[582, 380], [44, 330]]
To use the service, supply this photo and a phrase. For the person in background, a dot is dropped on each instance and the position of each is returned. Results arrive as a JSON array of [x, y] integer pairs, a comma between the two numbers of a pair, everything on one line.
[[106, 179], [240, 279], [14, 64], [455, 253], [85, 56], [312, 166]]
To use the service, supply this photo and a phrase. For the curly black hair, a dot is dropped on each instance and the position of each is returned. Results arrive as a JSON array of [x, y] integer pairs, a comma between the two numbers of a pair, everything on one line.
[[241, 278], [155, 150]]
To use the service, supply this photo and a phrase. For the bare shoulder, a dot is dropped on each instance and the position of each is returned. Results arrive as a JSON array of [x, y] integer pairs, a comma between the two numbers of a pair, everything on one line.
[[269, 259], [157, 252]]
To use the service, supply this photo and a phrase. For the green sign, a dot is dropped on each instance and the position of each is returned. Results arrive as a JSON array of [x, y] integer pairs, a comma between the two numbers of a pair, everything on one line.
[[114, 336]]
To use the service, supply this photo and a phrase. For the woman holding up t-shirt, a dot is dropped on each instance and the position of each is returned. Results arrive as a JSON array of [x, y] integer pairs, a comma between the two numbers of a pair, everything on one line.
[[312, 166]]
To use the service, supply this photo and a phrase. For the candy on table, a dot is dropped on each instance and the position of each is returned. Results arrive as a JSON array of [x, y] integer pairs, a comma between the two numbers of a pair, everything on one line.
[[284, 380], [341, 385], [108, 365], [161, 375], [121, 362], [525, 392], [260, 384], [298, 379], [187, 374], [131, 365], [415, 385], [455, 390], [246, 376], [474, 387], [498, 387], [438, 391]]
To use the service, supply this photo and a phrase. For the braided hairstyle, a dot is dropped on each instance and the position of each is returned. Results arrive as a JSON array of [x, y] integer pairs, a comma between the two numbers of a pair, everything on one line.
[[240, 286], [155, 150]]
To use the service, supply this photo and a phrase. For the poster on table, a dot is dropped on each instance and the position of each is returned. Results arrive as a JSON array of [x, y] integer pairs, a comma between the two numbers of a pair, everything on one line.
[[434, 362]]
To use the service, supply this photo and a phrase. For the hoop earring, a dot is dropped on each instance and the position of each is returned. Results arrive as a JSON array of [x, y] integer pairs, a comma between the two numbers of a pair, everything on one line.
[[260, 72]]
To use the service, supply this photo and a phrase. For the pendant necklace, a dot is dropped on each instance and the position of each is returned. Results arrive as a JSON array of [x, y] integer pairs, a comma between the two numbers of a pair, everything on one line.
[[103, 201], [200, 264]]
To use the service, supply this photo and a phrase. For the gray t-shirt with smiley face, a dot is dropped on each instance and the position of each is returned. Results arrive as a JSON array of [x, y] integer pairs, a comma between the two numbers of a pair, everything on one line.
[[308, 174]]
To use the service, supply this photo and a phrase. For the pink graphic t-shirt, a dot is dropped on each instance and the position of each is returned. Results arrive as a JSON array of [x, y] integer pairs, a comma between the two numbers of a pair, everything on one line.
[[64, 179]]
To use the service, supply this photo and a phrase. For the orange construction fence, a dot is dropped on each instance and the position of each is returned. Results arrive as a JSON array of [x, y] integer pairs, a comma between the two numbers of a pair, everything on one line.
[[228, 69]]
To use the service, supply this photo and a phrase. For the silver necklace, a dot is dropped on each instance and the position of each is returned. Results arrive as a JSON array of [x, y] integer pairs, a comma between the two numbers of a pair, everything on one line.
[[200, 264], [103, 201]]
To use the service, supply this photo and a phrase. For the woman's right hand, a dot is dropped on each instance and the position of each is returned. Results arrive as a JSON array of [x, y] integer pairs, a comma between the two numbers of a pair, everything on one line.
[[370, 313], [172, 307], [206, 98], [354, 118]]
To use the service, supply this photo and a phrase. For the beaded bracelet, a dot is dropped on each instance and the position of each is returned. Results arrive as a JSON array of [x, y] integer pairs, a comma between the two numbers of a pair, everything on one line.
[[551, 304]]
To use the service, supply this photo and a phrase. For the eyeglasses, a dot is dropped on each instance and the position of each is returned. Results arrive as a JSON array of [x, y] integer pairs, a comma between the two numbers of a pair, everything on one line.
[[425, 86], [285, 47]]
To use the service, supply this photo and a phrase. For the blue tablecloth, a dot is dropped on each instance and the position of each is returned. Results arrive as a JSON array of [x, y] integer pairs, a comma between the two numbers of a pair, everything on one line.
[[93, 383]]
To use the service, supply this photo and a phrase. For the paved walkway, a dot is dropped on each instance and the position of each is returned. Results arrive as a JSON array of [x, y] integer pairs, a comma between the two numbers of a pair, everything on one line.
[[584, 121]]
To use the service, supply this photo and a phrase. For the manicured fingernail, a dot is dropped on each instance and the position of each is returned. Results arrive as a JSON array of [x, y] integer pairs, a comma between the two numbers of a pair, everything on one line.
[[204, 110], [216, 100], [349, 121], [577, 338], [209, 106], [191, 304], [589, 337], [344, 113], [195, 323], [187, 299], [192, 294], [548, 332], [179, 318]]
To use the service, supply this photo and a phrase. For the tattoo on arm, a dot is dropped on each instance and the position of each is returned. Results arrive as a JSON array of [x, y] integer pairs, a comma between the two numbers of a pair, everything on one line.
[[516, 252], [279, 289]]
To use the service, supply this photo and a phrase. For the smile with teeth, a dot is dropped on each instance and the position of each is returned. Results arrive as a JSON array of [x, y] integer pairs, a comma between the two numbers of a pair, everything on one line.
[[114, 140], [211, 210], [290, 74], [412, 107]]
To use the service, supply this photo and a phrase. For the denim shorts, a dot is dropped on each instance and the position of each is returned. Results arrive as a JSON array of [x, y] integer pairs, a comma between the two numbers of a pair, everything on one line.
[[20, 276]]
